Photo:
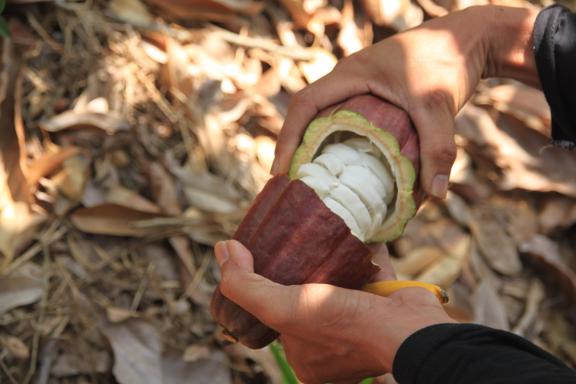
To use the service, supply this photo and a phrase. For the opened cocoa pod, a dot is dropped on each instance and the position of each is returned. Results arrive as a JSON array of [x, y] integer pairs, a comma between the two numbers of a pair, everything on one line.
[[350, 184]]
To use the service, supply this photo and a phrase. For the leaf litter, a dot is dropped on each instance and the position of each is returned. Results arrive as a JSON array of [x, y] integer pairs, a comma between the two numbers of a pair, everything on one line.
[[135, 135]]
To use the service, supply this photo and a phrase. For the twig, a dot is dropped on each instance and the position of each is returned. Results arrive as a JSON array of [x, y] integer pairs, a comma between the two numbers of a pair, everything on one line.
[[42, 311], [156, 96], [47, 360], [48, 238], [535, 296], [199, 276], [7, 372], [141, 289], [433, 9], [43, 34], [267, 45]]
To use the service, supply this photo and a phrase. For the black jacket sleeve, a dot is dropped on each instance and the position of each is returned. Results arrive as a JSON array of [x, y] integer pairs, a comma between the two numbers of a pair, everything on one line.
[[555, 54], [470, 354]]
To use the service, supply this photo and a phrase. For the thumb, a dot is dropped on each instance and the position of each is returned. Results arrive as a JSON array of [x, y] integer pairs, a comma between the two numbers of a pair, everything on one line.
[[437, 148], [268, 301]]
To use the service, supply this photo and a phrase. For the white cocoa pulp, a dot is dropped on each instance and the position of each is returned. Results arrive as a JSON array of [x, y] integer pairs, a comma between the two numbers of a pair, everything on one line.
[[352, 179]]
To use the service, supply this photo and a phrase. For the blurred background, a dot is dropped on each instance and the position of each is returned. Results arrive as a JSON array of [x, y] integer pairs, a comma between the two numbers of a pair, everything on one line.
[[134, 135]]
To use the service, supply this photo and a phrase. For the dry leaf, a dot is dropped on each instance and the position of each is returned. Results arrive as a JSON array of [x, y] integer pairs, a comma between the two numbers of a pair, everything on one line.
[[112, 219], [488, 308], [72, 179], [16, 291], [217, 10], [456, 244], [125, 197], [557, 213], [73, 364], [496, 245], [263, 357], [18, 226], [49, 163], [164, 189], [322, 63], [536, 294], [196, 352], [137, 352], [13, 183], [525, 103], [131, 11], [106, 122], [544, 255], [213, 369], [118, 315], [521, 153], [351, 38], [399, 14], [15, 347], [417, 260], [265, 151]]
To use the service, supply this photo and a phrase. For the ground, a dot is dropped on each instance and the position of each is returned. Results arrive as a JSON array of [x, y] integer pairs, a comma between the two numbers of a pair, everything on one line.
[[134, 135]]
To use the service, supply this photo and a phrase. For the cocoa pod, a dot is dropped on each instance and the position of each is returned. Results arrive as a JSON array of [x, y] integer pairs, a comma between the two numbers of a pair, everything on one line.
[[295, 239]]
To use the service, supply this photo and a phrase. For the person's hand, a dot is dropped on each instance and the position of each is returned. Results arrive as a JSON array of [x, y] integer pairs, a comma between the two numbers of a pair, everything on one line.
[[430, 72], [329, 334]]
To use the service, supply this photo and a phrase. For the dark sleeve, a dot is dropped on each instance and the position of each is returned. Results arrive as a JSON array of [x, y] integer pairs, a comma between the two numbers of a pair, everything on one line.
[[555, 53], [469, 354]]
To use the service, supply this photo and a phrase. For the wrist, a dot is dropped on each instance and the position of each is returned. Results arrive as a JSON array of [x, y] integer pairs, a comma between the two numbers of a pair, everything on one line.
[[510, 44], [410, 310]]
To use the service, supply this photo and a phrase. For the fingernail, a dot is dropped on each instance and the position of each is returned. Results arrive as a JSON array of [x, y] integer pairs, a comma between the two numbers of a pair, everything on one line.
[[440, 186], [274, 167], [221, 252]]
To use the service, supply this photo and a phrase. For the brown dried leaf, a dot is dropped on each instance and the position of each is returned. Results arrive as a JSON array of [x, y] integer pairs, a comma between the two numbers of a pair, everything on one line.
[[488, 308], [131, 11], [106, 122], [322, 63], [137, 352], [15, 347], [521, 153], [118, 315], [458, 209], [213, 369], [49, 163], [112, 219], [164, 189], [217, 10], [72, 179], [557, 213], [73, 364], [263, 357], [525, 103], [265, 151], [16, 291], [496, 245], [448, 269], [543, 253], [18, 226], [13, 183], [351, 37], [399, 14], [125, 197], [417, 260], [196, 352]]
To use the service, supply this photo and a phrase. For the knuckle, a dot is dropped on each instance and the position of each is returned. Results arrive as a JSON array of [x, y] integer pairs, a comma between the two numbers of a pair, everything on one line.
[[442, 153], [438, 98]]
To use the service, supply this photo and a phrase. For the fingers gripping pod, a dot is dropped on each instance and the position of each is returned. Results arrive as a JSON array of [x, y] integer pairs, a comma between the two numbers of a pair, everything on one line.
[[350, 184], [388, 287]]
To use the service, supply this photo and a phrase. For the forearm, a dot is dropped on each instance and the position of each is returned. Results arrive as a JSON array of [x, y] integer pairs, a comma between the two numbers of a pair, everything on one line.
[[468, 354], [510, 44]]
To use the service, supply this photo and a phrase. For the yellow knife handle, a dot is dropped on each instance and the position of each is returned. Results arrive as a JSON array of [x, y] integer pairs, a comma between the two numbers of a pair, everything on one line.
[[388, 287]]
